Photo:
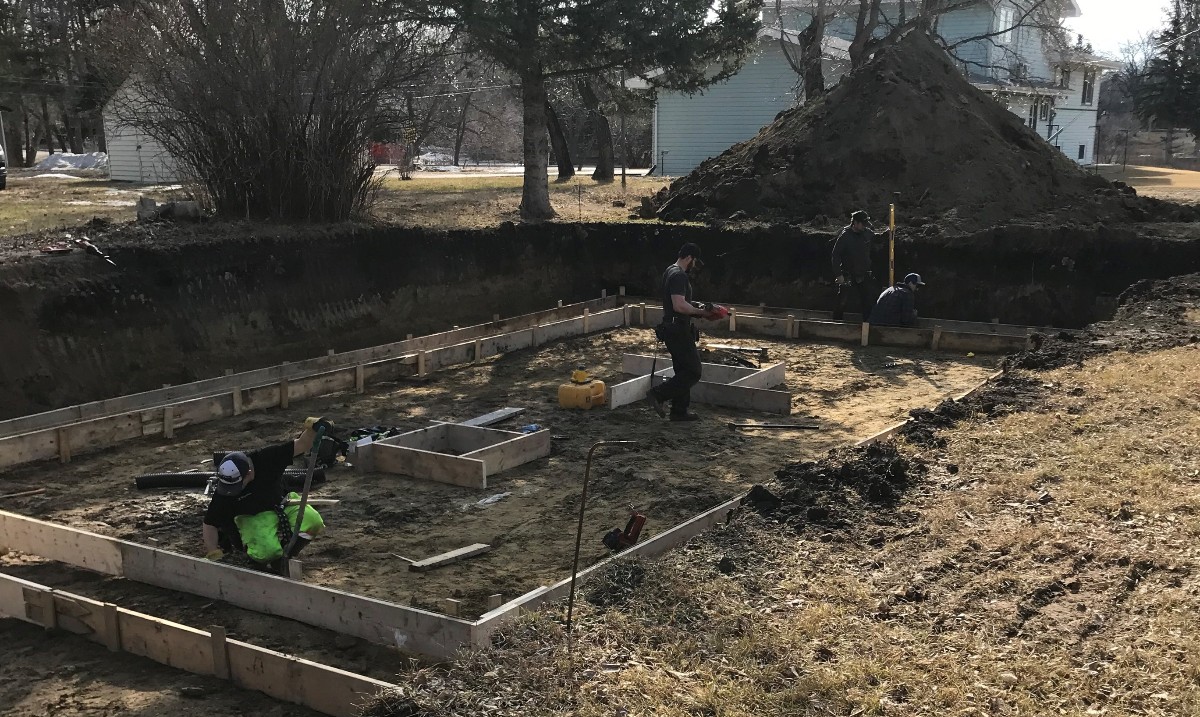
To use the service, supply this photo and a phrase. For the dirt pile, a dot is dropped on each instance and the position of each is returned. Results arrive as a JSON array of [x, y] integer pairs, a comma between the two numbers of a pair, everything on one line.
[[1007, 394], [1151, 315], [906, 122], [831, 492]]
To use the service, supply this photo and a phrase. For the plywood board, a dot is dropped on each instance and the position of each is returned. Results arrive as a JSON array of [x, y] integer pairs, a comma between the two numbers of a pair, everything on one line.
[[427, 465], [766, 377], [463, 440], [638, 364], [494, 417], [742, 398], [432, 438]]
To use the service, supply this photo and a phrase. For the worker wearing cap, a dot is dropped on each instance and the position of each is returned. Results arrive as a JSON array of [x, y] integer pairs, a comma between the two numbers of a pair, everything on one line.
[[680, 335], [852, 266], [897, 305], [250, 508]]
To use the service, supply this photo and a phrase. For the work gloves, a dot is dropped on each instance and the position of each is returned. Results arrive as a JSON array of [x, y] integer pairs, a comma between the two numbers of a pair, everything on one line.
[[214, 555]]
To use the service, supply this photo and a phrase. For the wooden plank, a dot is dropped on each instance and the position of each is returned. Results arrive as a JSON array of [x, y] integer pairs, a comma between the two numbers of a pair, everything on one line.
[[319, 687], [56, 542], [638, 364], [64, 445], [426, 465], [494, 417], [628, 392], [463, 440], [112, 627], [452, 556], [220, 652], [866, 333], [283, 393], [519, 450], [936, 341], [742, 398], [766, 377], [237, 401], [433, 438], [901, 336], [360, 379]]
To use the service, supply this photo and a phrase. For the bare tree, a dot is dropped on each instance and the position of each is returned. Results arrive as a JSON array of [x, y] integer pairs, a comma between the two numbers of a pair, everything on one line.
[[270, 106]]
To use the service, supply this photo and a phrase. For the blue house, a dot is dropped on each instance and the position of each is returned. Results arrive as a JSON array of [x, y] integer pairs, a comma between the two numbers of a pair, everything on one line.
[[1054, 91]]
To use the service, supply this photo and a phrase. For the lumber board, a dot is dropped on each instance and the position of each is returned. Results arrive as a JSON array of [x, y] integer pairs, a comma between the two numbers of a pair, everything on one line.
[[901, 336], [521, 449], [464, 440], [325, 689], [494, 417], [427, 465], [433, 438], [156, 398], [638, 364], [446, 558], [628, 392], [766, 377], [743, 398], [56, 542]]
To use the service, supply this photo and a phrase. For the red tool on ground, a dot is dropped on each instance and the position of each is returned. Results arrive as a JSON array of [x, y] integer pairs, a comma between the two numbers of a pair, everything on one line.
[[617, 539]]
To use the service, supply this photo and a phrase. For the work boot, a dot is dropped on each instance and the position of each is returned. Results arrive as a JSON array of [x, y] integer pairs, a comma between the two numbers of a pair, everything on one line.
[[658, 405], [684, 417]]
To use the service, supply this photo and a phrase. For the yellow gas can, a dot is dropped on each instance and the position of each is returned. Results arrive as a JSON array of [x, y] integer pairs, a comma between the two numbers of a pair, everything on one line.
[[581, 392]]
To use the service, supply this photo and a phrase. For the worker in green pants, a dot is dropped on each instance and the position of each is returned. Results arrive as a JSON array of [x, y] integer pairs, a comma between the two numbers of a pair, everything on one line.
[[250, 510]]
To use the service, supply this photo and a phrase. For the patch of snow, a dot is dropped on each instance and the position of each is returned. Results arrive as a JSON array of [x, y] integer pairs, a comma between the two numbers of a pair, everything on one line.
[[89, 160], [56, 176], [493, 499]]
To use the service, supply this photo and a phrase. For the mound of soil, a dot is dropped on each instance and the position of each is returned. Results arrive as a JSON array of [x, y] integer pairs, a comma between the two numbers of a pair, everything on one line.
[[832, 491], [1151, 315], [1007, 394], [905, 122]]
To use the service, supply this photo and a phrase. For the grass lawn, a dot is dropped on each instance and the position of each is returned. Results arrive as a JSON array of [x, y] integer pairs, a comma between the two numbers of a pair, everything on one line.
[[34, 204]]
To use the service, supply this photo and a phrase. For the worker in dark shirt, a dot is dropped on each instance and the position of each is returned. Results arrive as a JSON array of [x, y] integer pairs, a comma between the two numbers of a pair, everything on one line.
[[680, 336], [250, 510], [897, 305], [852, 266]]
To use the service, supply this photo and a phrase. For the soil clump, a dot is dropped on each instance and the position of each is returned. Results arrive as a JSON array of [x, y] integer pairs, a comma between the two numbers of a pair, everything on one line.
[[909, 122]]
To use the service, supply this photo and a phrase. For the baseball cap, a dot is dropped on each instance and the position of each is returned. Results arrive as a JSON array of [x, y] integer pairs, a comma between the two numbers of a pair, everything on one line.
[[914, 279], [861, 216], [693, 250], [231, 473]]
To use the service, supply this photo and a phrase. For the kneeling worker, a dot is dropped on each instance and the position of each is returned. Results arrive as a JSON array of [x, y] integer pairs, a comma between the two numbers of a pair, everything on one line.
[[897, 306], [250, 510], [680, 336]]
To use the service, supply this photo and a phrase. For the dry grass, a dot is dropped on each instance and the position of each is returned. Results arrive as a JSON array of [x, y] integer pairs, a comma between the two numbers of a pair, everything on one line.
[[1178, 185], [458, 201], [33, 204], [1055, 568]]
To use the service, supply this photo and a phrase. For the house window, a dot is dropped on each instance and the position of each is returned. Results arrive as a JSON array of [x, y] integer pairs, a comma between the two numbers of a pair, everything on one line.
[[1044, 110], [1004, 25], [1033, 115], [1064, 78], [1083, 151], [1089, 86]]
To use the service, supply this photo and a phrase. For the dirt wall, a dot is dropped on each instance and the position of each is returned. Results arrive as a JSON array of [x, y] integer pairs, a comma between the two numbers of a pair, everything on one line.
[[184, 307]]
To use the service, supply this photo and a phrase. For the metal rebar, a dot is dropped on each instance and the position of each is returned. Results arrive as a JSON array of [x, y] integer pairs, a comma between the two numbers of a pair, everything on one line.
[[587, 474]]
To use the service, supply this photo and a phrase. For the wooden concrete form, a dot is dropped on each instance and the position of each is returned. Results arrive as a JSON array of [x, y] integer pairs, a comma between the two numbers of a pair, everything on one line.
[[78, 429], [453, 453], [938, 335], [726, 386], [378, 621], [285, 677]]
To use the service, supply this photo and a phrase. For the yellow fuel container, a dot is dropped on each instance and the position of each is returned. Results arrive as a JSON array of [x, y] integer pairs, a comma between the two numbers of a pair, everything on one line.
[[582, 391]]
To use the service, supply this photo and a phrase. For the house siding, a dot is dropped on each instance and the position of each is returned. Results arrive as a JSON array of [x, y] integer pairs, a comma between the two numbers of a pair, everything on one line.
[[692, 128], [134, 156]]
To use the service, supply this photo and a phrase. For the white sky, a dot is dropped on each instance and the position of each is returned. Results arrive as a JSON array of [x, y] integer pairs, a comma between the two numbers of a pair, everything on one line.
[[1108, 24]]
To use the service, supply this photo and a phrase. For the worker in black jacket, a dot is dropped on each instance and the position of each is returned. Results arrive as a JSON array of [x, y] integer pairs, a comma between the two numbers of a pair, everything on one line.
[[897, 305], [680, 336], [852, 266]]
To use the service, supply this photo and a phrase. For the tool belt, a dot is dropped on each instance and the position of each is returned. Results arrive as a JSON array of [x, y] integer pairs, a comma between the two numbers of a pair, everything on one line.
[[677, 327]]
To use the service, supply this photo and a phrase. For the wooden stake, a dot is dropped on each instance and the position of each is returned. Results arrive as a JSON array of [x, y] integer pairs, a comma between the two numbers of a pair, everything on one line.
[[64, 445], [478, 349], [791, 327], [560, 303], [283, 393], [112, 627], [295, 569], [43, 600], [642, 314], [866, 333], [450, 606], [495, 318], [329, 352], [495, 601], [220, 652], [620, 291], [360, 378], [732, 320], [237, 401], [937, 338], [22, 494], [604, 293], [228, 372], [587, 315], [408, 337], [168, 421], [420, 363]]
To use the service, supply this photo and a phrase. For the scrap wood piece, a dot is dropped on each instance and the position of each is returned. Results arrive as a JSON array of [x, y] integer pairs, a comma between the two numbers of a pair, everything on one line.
[[760, 350], [22, 494], [446, 558], [488, 419]]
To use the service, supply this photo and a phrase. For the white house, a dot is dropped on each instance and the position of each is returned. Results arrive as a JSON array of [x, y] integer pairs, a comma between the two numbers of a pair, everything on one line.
[[133, 155], [1056, 95]]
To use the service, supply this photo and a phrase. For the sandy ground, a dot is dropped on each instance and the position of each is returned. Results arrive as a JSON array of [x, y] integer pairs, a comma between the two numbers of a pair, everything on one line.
[[1177, 185]]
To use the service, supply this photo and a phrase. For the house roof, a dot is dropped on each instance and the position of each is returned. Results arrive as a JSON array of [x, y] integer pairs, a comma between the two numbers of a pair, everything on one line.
[[1070, 8], [834, 48]]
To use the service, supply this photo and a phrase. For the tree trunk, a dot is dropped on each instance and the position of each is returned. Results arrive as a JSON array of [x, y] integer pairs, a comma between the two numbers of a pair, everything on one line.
[[868, 20], [48, 128], [602, 131], [460, 129], [73, 133], [535, 191], [101, 137], [562, 151], [812, 39], [31, 142]]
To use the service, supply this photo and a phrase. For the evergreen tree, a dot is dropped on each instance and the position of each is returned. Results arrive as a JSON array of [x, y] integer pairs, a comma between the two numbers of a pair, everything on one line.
[[1169, 92]]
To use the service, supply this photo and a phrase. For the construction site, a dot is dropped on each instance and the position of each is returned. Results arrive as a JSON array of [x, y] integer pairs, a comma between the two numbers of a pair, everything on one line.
[[989, 512]]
